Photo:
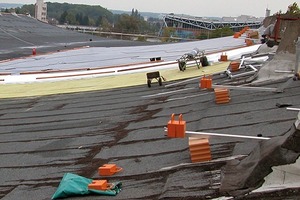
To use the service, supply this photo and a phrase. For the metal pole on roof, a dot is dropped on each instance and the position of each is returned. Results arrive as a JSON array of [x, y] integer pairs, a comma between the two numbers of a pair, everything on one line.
[[293, 109], [262, 89], [205, 135], [297, 55]]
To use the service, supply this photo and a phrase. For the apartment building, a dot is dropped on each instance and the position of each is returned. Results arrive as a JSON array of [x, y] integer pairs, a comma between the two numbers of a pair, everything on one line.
[[41, 10]]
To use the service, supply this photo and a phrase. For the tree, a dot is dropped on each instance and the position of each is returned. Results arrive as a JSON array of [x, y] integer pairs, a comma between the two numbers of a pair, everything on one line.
[[70, 19], [85, 20], [105, 25], [27, 9], [79, 18], [202, 36], [127, 24], [56, 10], [63, 17], [221, 32], [18, 10], [168, 33], [293, 9], [76, 14]]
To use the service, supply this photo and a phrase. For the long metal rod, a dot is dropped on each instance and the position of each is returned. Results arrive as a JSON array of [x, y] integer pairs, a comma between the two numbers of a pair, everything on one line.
[[297, 55], [242, 74], [246, 88], [293, 109], [205, 134], [283, 71]]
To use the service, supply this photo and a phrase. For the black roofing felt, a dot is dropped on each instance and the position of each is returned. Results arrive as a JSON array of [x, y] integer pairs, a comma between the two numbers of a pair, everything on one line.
[[44, 137], [19, 34]]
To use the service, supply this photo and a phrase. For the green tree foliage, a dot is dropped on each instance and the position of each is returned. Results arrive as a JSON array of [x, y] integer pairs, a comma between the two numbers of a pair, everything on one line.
[[79, 18], [26, 10], [63, 17], [84, 14], [133, 23], [70, 19], [127, 24], [71, 13], [168, 33], [105, 25], [77, 14], [202, 36], [293, 9], [85, 20], [221, 32]]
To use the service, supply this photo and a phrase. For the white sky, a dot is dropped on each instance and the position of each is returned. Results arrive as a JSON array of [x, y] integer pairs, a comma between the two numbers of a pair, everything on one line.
[[200, 8]]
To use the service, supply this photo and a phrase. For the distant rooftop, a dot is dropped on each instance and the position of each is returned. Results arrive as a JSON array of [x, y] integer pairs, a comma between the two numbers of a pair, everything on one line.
[[241, 18]]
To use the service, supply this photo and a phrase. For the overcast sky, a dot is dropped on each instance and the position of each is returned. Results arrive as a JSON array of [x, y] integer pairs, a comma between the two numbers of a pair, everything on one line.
[[200, 8]]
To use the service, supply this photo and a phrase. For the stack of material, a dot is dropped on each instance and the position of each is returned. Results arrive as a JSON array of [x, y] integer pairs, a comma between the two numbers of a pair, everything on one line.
[[199, 149], [222, 95]]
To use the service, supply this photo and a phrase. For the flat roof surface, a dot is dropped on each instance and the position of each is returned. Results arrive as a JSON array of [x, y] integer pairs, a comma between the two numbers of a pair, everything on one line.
[[97, 57], [45, 136], [19, 34]]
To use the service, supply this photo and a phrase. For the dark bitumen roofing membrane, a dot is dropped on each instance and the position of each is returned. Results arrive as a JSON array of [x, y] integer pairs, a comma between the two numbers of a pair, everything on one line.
[[46, 136], [19, 34]]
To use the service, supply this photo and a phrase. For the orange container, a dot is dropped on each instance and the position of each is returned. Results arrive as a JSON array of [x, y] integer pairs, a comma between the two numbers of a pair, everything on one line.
[[237, 35], [209, 83], [203, 83], [176, 128], [108, 169], [99, 185], [223, 57], [206, 82], [248, 42], [234, 66], [181, 128]]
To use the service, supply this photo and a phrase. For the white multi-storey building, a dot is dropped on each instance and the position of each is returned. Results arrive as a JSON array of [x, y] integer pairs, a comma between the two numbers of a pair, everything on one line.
[[41, 10]]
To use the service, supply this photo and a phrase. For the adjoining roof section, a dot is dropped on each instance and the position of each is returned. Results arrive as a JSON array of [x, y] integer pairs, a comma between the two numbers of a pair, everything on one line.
[[172, 20]]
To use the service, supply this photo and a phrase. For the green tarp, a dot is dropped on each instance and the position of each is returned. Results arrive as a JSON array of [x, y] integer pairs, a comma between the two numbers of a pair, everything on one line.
[[75, 185]]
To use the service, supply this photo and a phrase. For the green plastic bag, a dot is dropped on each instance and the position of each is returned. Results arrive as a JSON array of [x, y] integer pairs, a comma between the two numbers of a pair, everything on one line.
[[75, 185]]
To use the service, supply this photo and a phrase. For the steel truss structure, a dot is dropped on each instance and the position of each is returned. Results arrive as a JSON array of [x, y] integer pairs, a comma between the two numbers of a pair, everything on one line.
[[174, 21]]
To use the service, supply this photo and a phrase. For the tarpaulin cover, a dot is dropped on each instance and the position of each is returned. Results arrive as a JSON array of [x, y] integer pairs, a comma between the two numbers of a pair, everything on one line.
[[75, 185]]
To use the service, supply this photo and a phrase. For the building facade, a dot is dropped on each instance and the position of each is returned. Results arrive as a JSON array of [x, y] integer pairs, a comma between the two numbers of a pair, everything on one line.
[[41, 10]]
